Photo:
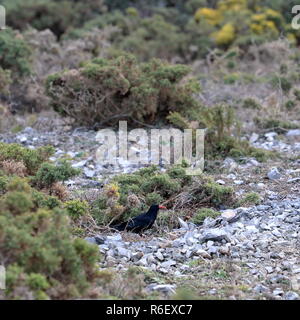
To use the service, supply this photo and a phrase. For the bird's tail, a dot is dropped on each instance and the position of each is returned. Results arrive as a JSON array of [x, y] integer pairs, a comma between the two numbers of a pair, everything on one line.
[[119, 227]]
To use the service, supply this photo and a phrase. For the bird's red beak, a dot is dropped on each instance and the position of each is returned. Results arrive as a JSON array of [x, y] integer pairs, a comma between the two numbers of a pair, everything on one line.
[[162, 207]]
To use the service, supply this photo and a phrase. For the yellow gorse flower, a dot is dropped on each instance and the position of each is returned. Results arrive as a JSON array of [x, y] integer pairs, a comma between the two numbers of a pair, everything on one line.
[[292, 38], [232, 5], [112, 190], [259, 17], [272, 13], [212, 16], [225, 35]]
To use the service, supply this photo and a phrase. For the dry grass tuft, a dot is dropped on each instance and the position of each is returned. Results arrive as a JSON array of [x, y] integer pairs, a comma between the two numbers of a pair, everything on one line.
[[59, 190], [12, 167]]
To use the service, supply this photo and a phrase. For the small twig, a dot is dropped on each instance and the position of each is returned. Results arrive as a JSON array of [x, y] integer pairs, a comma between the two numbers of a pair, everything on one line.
[[274, 129], [143, 124]]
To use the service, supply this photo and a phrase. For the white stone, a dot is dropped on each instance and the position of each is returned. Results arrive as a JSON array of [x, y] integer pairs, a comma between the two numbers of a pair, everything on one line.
[[270, 136], [269, 269], [238, 182], [159, 256], [165, 288], [79, 164], [204, 254], [274, 174], [293, 133], [168, 264], [254, 137]]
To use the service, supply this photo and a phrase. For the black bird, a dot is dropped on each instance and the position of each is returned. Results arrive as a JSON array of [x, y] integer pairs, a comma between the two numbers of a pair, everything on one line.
[[142, 222]]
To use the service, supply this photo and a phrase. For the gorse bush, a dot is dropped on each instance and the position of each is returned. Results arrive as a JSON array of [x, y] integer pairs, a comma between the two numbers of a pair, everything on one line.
[[296, 93], [5, 81], [184, 30], [140, 4], [9, 183], [48, 174], [154, 38], [222, 136], [56, 15], [290, 105], [220, 120], [204, 213], [76, 208], [240, 21], [32, 159], [190, 29], [40, 243], [14, 53], [251, 198], [16, 160], [104, 91], [275, 124], [251, 103], [282, 82], [129, 194], [41, 256]]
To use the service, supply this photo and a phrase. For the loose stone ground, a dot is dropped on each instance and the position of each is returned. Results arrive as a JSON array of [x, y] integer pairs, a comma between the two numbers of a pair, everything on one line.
[[246, 253]]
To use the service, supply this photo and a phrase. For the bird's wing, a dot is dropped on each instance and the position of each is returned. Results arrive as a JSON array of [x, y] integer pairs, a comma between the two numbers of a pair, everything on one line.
[[139, 221]]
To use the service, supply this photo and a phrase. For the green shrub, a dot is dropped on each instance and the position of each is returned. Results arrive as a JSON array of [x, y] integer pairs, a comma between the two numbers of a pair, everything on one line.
[[178, 120], [34, 283], [139, 91], [14, 53], [31, 158], [202, 214], [222, 136], [251, 198], [55, 15], [261, 155], [130, 194], [282, 83], [124, 23], [251, 104], [19, 188], [37, 281], [231, 78], [283, 68], [168, 220], [179, 172], [186, 294], [41, 200], [41, 257], [290, 105], [49, 173], [38, 249], [231, 64], [3, 183], [152, 198], [198, 43], [76, 208], [220, 120], [18, 202], [219, 195], [154, 37], [297, 94], [161, 183], [18, 184], [5, 81], [280, 126]]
